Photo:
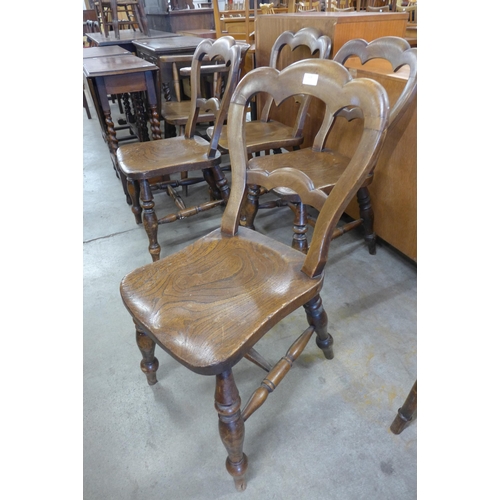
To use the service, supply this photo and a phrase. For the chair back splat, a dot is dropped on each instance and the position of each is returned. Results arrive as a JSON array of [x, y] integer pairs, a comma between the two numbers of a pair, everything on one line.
[[209, 304]]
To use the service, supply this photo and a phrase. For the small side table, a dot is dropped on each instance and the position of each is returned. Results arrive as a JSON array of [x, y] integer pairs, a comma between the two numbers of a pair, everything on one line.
[[126, 75]]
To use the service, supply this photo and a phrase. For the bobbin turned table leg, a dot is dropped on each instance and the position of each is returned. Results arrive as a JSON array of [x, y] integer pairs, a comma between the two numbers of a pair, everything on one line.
[[231, 427]]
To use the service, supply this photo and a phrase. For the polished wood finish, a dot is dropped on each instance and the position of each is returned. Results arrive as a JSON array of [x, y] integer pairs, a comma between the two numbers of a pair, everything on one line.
[[406, 413], [142, 164], [210, 303]]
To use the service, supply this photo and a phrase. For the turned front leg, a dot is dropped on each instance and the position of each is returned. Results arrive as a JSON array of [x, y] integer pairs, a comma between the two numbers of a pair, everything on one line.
[[149, 364], [231, 426], [149, 219], [316, 316], [299, 241]]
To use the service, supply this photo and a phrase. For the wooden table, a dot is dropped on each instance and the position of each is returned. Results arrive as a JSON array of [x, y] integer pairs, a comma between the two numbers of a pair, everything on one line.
[[126, 38], [133, 78], [393, 190], [152, 50], [202, 33], [111, 50]]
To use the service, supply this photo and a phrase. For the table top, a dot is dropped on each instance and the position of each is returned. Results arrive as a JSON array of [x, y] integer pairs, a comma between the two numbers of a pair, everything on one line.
[[162, 46], [115, 65], [111, 50], [126, 36]]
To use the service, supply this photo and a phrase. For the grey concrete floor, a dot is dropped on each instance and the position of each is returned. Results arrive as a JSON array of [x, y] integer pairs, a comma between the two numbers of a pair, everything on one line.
[[324, 433]]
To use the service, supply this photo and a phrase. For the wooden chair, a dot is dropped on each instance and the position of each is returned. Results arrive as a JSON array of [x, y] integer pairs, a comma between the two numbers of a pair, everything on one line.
[[339, 6], [266, 134], [210, 303], [143, 163], [118, 14], [407, 412], [267, 8], [410, 7], [399, 53], [177, 112], [309, 6]]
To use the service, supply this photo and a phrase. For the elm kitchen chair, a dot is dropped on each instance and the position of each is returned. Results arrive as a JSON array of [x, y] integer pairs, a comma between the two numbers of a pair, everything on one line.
[[148, 166], [210, 303], [324, 175]]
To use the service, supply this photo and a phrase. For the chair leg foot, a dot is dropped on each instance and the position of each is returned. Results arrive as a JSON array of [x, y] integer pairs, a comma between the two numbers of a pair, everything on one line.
[[149, 364], [231, 427], [406, 412], [316, 316]]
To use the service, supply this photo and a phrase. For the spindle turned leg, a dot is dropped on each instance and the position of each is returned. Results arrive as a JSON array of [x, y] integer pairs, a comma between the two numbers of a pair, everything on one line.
[[316, 316], [149, 219], [251, 206], [366, 213], [231, 426], [149, 364], [299, 241], [406, 412], [133, 190]]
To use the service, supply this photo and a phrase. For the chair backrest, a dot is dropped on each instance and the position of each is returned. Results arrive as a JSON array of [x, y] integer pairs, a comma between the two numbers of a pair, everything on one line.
[[226, 51], [381, 8], [267, 8], [393, 49], [309, 6], [305, 37], [332, 83], [339, 6]]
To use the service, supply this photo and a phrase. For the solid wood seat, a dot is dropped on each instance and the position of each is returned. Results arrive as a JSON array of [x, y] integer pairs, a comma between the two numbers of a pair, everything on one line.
[[149, 165], [399, 53], [231, 270], [265, 134], [137, 161], [209, 304]]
